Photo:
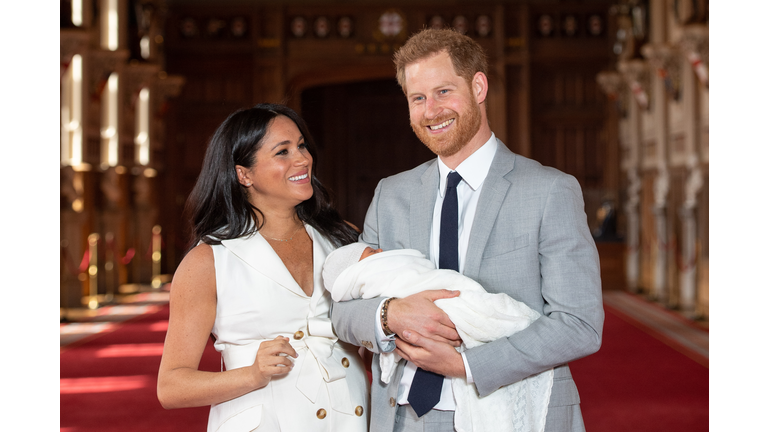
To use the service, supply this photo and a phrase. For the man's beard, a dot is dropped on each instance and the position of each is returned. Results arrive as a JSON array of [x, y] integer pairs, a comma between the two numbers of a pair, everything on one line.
[[448, 144]]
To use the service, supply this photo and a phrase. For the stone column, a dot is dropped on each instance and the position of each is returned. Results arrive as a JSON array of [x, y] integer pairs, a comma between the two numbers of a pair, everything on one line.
[[689, 241], [694, 46], [660, 57], [633, 73]]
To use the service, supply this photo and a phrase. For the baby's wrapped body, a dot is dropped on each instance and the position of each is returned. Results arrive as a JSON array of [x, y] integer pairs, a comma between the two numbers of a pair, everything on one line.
[[480, 317]]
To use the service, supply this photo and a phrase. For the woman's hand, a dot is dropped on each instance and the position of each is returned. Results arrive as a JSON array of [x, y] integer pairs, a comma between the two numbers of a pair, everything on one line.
[[272, 359]]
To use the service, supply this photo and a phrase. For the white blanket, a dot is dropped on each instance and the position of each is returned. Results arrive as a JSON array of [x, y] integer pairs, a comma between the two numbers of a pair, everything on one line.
[[479, 317]]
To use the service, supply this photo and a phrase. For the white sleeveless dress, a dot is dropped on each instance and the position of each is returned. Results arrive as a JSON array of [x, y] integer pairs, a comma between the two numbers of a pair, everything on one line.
[[258, 300]]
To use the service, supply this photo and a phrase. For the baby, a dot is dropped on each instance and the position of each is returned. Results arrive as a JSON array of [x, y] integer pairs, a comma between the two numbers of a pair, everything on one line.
[[359, 271]]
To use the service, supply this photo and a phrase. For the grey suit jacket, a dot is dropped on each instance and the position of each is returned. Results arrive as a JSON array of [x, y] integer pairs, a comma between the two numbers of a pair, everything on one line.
[[530, 240]]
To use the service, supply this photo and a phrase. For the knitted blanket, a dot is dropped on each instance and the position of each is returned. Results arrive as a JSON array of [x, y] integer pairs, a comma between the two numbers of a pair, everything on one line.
[[480, 317]]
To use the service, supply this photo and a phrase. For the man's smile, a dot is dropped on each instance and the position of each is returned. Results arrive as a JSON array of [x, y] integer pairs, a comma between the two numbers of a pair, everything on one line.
[[441, 125]]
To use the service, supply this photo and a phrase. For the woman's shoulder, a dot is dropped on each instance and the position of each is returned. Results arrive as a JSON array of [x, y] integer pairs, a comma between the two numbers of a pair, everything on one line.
[[197, 264], [201, 252], [194, 281]]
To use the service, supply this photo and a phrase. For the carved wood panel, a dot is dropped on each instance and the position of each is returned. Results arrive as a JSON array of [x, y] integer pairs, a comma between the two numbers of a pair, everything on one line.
[[363, 135]]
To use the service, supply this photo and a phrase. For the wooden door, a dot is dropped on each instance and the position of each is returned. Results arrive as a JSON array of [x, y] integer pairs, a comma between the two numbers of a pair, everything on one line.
[[363, 134]]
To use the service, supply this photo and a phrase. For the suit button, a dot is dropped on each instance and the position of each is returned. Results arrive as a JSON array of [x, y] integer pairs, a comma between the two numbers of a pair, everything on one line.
[[345, 363], [321, 413], [392, 402], [359, 411], [298, 335]]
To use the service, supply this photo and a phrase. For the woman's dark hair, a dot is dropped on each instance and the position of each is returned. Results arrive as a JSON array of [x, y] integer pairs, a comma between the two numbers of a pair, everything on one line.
[[219, 205]]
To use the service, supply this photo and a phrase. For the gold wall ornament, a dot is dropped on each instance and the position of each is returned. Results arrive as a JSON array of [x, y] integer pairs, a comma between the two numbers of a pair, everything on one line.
[[595, 25], [460, 24], [570, 25], [189, 27], [483, 25], [238, 27], [322, 27], [345, 26], [437, 22], [298, 26], [545, 25], [392, 26]]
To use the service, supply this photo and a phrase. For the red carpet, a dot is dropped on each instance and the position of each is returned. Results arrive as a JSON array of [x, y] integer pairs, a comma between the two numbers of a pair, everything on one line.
[[108, 383], [635, 383]]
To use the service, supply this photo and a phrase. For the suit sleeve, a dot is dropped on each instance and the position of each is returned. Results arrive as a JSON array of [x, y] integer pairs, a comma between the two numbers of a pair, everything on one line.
[[572, 320], [355, 320]]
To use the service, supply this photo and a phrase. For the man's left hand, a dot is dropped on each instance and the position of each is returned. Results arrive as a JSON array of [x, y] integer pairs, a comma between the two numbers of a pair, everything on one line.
[[430, 355]]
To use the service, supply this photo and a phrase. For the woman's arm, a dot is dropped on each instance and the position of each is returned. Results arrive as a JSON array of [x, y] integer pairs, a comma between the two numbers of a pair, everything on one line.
[[193, 310]]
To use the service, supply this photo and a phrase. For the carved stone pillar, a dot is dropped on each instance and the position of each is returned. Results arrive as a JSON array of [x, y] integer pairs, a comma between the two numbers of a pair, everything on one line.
[[661, 191], [632, 211], [695, 46], [661, 58], [688, 264], [635, 73]]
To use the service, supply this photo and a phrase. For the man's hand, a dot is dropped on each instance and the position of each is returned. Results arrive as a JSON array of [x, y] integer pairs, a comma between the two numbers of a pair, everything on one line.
[[427, 354], [418, 313]]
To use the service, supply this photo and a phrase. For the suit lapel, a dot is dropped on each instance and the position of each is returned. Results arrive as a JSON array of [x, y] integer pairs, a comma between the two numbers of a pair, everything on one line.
[[256, 252], [422, 207], [494, 191]]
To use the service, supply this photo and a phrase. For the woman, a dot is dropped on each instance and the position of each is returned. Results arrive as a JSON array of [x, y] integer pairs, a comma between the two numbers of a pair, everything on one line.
[[262, 225]]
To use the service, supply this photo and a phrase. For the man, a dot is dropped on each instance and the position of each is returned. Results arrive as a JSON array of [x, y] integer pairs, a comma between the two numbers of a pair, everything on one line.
[[507, 222]]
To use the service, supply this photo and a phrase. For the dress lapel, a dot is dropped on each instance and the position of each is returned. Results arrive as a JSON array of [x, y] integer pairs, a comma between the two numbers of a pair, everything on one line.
[[256, 252], [422, 208], [495, 188], [321, 247]]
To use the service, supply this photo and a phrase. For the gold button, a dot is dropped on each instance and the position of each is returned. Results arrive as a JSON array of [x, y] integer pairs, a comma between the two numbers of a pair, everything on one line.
[[321, 413], [298, 335], [345, 362], [359, 411], [392, 402]]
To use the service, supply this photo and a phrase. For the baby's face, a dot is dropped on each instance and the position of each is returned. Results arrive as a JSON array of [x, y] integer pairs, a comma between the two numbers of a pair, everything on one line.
[[368, 252]]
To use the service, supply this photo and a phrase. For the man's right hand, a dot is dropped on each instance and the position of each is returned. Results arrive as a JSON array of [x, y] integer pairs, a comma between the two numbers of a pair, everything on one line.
[[418, 312]]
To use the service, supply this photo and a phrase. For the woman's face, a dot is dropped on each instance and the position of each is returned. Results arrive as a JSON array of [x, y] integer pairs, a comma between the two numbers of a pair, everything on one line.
[[281, 176]]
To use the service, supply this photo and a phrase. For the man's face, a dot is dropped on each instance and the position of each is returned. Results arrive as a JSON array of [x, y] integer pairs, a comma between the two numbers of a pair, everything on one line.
[[444, 113]]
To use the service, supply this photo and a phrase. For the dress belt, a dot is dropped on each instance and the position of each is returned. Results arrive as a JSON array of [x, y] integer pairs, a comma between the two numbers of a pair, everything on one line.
[[318, 367]]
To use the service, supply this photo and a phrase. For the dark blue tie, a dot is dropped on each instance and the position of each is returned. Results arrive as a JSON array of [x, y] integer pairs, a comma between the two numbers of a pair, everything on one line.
[[426, 385]]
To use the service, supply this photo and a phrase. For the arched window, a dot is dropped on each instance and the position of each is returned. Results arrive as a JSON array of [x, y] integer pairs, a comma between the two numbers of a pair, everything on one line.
[[145, 47], [109, 127], [77, 12], [109, 25], [142, 128], [72, 113]]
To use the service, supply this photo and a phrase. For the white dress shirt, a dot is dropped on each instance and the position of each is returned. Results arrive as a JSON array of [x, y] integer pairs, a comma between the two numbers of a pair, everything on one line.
[[473, 171]]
